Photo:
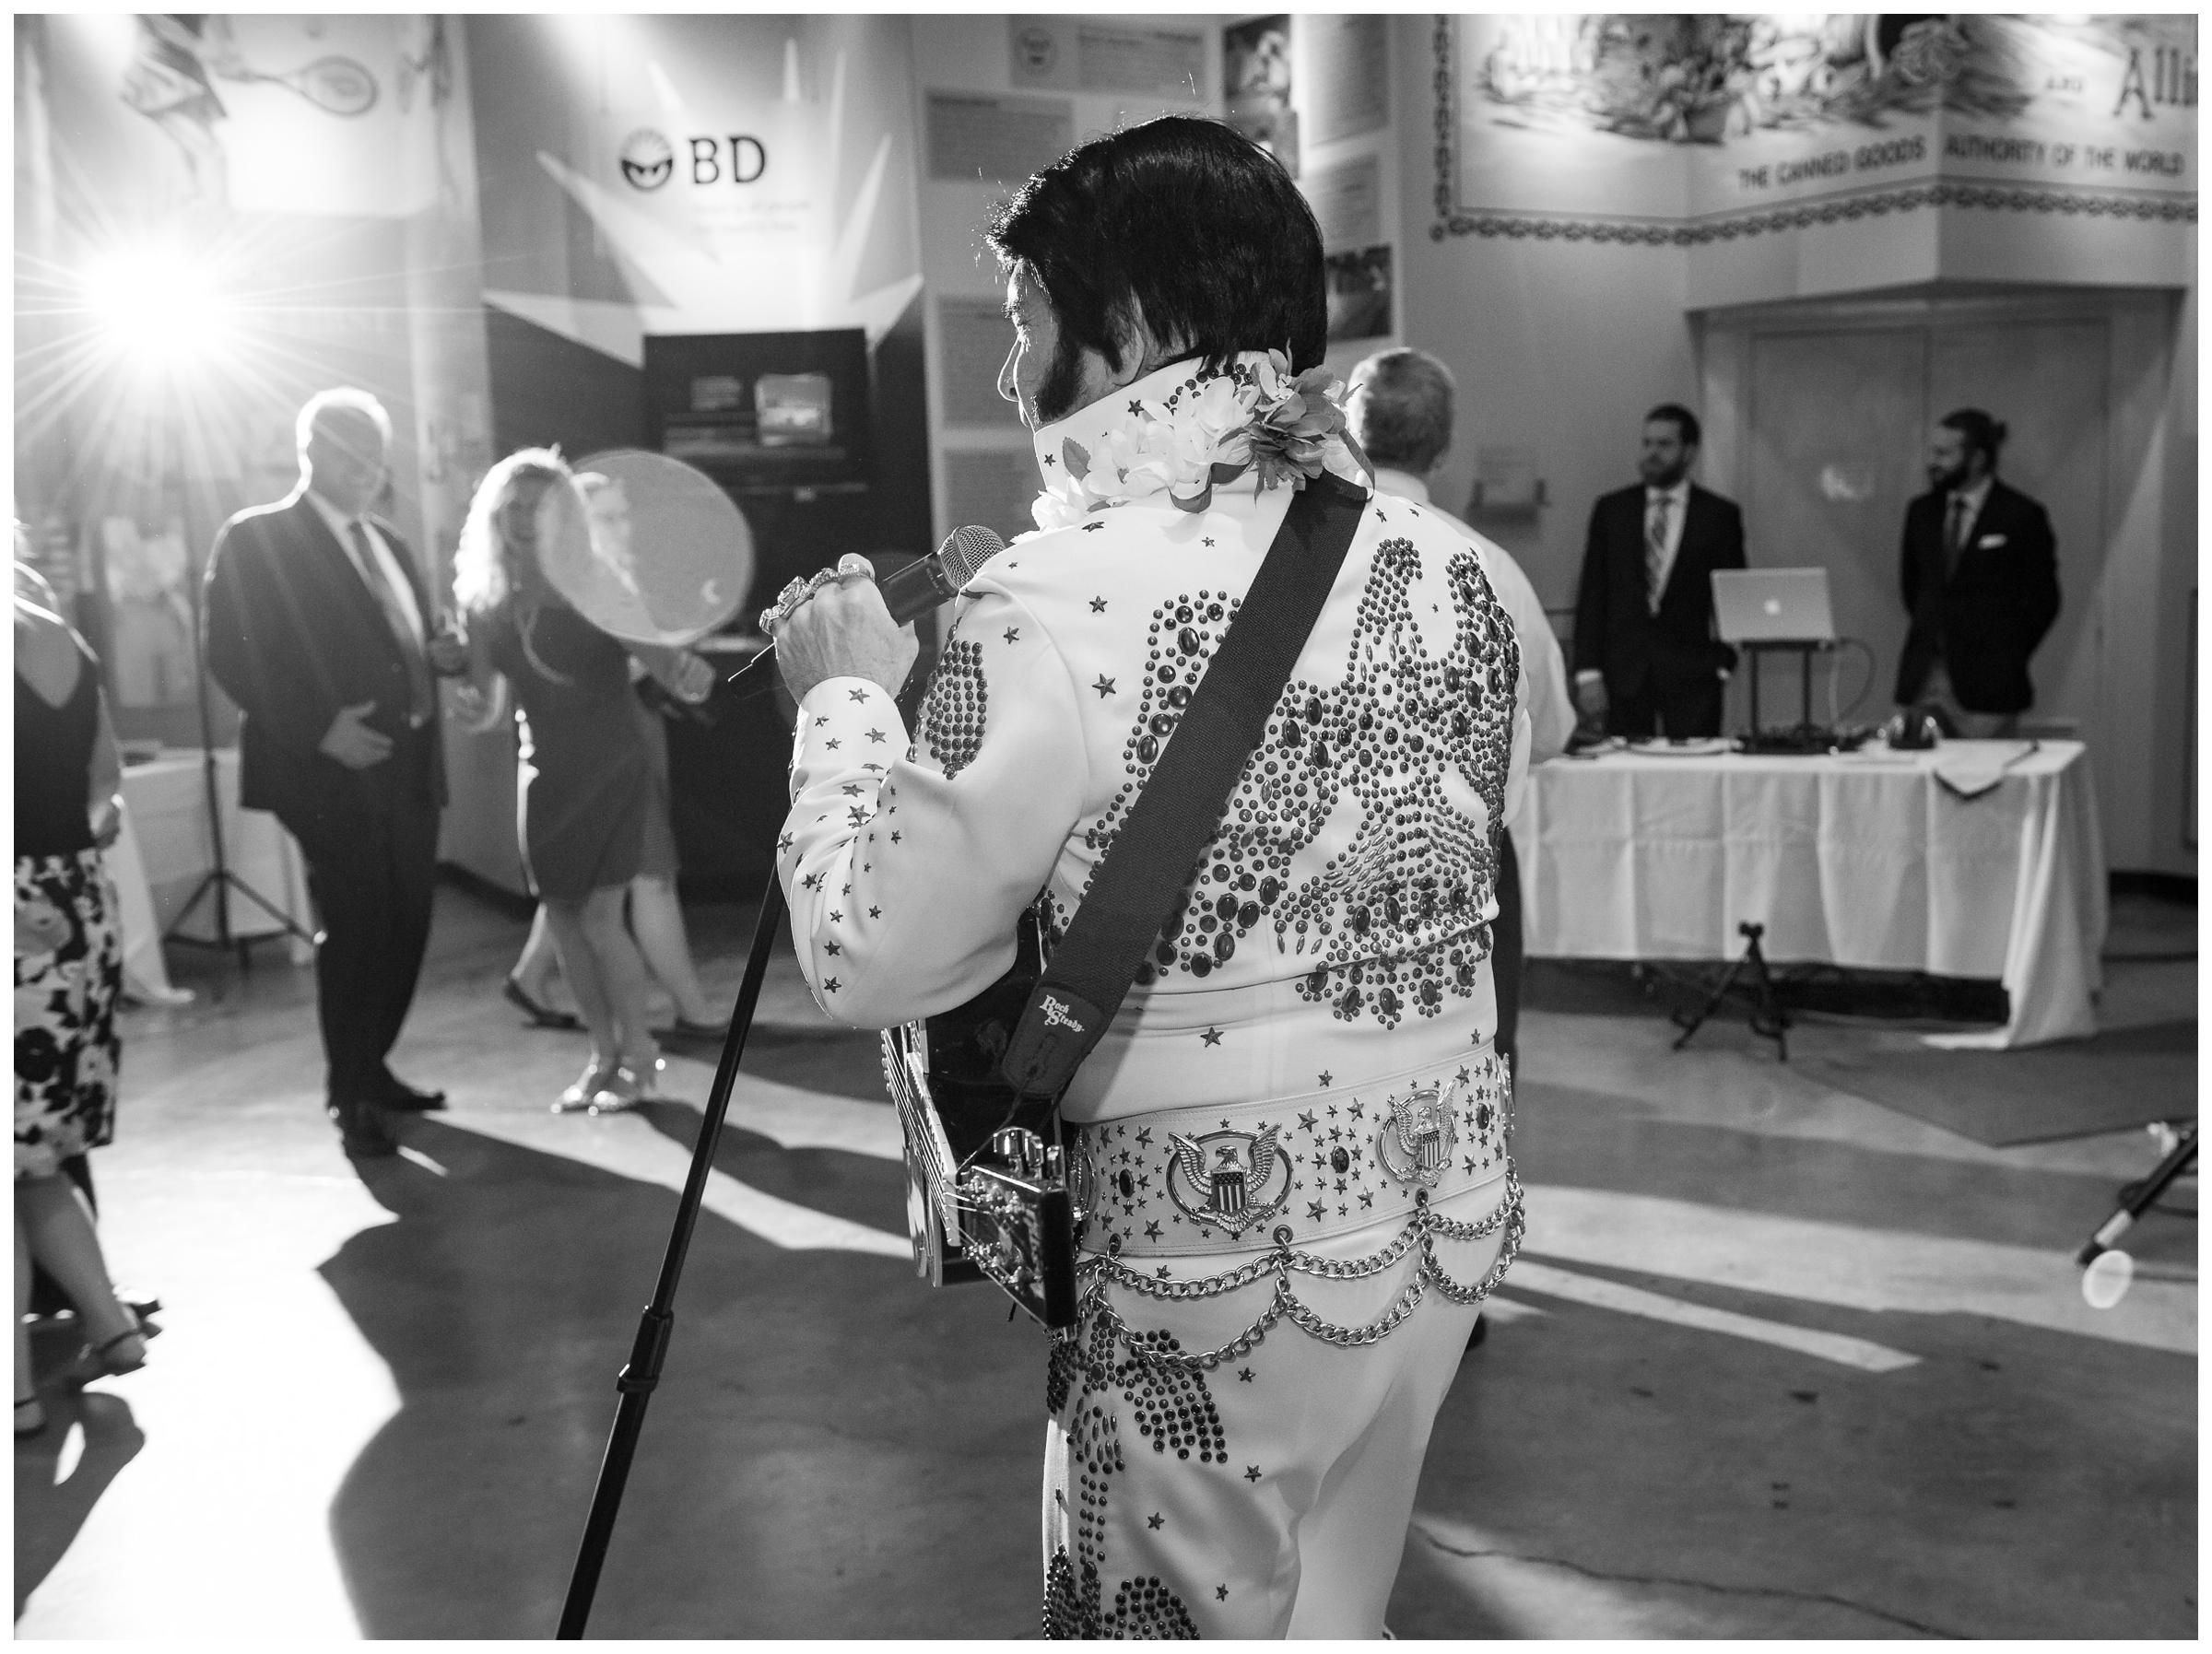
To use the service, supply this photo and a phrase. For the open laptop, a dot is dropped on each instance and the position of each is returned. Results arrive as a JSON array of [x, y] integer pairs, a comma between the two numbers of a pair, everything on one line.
[[1772, 605]]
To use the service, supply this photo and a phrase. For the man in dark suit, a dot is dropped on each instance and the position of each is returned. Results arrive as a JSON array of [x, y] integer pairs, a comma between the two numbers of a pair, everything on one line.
[[318, 626], [1980, 579], [1646, 662]]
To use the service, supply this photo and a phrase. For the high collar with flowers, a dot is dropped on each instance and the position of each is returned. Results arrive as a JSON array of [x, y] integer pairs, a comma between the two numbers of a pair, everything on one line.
[[1183, 432]]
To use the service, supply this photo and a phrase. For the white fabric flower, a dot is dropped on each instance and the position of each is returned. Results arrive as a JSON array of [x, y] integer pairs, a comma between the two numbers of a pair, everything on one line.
[[1199, 438]]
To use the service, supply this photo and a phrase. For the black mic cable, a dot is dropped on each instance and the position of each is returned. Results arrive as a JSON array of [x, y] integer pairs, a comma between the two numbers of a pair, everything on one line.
[[921, 586]]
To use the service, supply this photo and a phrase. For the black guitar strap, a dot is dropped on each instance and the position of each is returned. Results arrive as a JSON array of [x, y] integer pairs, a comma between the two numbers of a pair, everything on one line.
[[1152, 858]]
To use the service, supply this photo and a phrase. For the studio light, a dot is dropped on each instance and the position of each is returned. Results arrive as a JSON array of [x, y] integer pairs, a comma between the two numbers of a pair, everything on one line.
[[156, 307]]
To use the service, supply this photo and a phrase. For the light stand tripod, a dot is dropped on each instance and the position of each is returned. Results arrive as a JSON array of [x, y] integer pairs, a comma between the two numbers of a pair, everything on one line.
[[219, 881]]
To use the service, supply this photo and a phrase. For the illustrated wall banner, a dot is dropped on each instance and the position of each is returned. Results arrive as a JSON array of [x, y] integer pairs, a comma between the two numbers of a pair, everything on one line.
[[744, 173], [1676, 127]]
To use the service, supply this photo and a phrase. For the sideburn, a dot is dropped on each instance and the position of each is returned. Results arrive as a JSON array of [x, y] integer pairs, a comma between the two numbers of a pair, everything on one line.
[[1058, 396]]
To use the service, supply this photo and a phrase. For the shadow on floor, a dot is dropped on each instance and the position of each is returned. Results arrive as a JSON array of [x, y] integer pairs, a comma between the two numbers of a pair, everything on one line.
[[823, 1419], [1598, 1474], [50, 1507], [2115, 1079]]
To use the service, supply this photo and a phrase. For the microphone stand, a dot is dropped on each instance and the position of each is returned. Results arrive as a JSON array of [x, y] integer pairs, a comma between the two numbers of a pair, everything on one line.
[[642, 1374]]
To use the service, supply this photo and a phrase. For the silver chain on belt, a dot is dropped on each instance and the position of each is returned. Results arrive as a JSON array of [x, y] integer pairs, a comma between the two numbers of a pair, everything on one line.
[[1422, 1229]]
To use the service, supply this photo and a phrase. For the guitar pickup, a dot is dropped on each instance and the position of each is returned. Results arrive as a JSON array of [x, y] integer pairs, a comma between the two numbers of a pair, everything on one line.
[[1016, 1225]]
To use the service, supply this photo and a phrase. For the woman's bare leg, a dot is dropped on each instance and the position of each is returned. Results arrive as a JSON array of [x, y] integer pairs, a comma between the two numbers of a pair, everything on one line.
[[56, 1228], [656, 919], [539, 960]]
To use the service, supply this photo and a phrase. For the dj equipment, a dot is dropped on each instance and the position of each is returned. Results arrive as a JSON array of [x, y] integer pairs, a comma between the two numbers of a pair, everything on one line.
[[977, 1089], [1916, 729], [666, 557], [913, 590], [1777, 611], [1772, 605]]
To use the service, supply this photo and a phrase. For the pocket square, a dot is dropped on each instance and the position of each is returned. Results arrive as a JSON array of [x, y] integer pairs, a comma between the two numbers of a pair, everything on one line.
[[1987, 541]]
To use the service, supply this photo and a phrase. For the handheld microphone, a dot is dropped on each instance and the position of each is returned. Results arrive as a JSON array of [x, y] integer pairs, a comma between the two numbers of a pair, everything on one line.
[[921, 586]]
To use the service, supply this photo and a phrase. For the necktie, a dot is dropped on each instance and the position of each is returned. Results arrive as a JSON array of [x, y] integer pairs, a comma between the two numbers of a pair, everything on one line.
[[1954, 536], [1654, 552], [422, 700]]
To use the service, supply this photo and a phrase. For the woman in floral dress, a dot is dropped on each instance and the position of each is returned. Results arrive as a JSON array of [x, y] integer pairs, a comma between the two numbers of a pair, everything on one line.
[[68, 967]]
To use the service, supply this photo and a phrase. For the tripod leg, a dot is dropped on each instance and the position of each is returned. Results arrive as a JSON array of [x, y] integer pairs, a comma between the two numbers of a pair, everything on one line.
[[1768, 1019], [1712, 1004], [2138, 1197], [291, 925]]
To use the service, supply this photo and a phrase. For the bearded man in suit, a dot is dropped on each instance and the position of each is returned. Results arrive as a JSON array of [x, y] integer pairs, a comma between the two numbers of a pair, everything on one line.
[[318, 626], [1646, 662], [1979, 573]]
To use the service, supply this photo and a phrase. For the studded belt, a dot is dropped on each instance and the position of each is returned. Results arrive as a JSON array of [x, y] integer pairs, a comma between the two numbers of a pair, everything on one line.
[[1290, 1170]]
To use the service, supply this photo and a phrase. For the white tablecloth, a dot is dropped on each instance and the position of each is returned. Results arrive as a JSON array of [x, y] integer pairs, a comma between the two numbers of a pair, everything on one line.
[[165, 804], [1861, 859]]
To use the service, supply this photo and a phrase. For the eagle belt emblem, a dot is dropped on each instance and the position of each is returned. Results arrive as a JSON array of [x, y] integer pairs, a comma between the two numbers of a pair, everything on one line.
[[1416, 1146], [1231, 1179]]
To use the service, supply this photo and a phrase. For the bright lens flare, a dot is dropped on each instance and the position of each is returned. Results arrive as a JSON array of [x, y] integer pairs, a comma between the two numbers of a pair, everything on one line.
[[155, 307]]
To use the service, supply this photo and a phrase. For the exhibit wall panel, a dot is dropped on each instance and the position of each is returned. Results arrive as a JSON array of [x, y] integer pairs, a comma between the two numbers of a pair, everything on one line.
[[998, 96]]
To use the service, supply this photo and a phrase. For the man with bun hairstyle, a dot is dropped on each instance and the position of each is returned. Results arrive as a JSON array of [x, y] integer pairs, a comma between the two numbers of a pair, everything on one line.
[[1979, 574]]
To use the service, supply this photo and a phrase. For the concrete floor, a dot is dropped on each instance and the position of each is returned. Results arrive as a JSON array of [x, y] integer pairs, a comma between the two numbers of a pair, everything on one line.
[[1776, 1362]]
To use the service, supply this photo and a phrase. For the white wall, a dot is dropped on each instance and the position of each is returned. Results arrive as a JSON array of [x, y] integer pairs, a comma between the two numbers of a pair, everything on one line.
[[1558, 348]]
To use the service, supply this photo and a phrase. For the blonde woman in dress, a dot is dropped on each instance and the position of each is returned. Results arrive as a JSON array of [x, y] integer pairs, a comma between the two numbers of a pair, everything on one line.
[[587, 778]]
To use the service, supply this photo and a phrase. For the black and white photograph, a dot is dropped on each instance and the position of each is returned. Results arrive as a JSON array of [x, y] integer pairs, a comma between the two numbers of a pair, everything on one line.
[[1358, 294], [925, 825]]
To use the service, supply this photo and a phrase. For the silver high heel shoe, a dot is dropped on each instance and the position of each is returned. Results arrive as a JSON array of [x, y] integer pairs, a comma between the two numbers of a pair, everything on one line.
[[629, 1084], [587, 1086]]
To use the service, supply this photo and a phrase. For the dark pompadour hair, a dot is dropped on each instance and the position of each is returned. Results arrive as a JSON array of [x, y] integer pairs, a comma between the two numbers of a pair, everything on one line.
[[1685, 422], [1197, 223], [1979, 429]]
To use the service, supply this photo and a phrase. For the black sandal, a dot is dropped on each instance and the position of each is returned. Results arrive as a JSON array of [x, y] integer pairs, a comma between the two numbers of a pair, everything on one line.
[[99, 1361], [540, 1016]]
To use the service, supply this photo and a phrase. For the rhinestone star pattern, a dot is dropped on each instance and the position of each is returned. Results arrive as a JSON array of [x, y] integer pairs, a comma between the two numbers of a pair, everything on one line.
[[953, 713], [1092, 1394], [1421, 742]]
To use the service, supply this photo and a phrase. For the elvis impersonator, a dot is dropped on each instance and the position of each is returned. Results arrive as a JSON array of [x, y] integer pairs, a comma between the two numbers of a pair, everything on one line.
[[1297, 1124]]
